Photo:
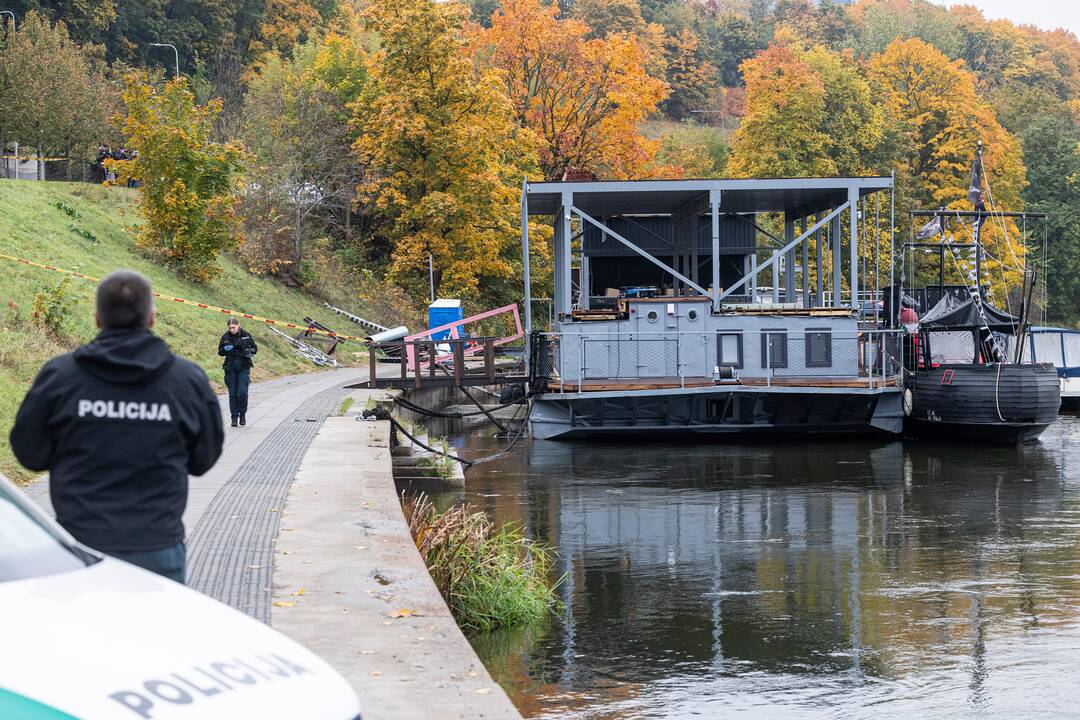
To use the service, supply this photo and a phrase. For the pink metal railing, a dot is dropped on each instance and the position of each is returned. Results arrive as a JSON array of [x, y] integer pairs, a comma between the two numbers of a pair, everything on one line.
[[455, 329]]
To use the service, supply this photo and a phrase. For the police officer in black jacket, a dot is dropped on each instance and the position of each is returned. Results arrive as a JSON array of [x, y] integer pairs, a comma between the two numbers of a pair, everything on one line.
[[120, 423], [237, 347]]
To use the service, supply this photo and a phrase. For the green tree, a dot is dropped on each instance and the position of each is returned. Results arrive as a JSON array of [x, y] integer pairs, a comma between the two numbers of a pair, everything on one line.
[[445, 155], [731, 39], [187, 181], [87, 20], [879, 22], [605, 17], [694, 151], [1050, 149], [56, 94]]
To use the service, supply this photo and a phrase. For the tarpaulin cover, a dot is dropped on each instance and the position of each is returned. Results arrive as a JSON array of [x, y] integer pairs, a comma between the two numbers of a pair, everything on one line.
[[953, 313]]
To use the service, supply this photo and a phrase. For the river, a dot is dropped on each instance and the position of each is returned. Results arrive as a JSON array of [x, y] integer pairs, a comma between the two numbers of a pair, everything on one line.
[[794, 580]]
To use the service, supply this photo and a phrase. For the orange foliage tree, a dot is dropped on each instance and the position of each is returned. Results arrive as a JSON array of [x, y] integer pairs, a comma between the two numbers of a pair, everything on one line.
[[583, 97]]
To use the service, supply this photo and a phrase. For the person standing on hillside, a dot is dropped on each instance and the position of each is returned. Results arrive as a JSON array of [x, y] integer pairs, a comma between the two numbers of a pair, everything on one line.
[[237, 347], [119, 424]]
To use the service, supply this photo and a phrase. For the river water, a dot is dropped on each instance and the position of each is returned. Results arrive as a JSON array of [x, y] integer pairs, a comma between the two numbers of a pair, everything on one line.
[[802, 579]]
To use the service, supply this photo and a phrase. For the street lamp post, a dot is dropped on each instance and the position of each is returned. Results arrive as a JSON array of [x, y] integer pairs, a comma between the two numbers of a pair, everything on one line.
[[176, 54], [3, 144]]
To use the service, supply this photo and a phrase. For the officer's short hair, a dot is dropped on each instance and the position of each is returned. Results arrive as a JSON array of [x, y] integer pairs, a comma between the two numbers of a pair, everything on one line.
[[124, 300]]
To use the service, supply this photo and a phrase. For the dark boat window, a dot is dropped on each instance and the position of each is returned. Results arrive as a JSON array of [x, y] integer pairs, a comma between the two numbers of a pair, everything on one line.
[[819, 348], [729, 350], [774, 348]]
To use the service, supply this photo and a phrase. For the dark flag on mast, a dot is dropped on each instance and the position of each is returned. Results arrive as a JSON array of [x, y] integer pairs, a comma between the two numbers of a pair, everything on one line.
[[975, 193]]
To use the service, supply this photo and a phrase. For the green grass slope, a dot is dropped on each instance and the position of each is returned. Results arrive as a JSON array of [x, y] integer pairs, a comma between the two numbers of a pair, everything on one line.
[[96, 241]]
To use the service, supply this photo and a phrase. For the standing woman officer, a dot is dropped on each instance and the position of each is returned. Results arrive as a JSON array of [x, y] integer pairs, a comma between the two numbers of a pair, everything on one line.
[[237, 347]]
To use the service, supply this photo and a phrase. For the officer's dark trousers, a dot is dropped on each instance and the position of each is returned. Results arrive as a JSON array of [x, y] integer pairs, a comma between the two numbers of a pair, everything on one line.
[[170, 562], [237, 381]]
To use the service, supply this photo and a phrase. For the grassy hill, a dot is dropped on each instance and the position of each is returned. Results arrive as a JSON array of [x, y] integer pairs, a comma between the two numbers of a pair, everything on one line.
[[84, 228]]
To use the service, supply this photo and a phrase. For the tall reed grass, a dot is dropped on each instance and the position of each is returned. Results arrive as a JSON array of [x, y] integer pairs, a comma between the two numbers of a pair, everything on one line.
[[490, 576]]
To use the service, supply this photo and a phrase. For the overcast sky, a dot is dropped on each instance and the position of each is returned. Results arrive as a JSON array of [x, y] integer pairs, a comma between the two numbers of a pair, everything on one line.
[[1047, 14]]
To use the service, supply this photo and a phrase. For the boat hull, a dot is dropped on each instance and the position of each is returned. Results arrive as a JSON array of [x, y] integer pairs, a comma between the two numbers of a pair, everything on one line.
[[1006, 404], [717, 411]]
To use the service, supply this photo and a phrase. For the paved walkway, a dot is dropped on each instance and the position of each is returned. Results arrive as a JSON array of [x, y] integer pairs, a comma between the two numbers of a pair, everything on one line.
[[232, 514], [350, 585]]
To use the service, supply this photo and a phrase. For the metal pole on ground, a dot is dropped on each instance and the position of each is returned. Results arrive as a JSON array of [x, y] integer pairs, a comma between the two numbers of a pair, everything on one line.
[[3, 145], [892, 258]]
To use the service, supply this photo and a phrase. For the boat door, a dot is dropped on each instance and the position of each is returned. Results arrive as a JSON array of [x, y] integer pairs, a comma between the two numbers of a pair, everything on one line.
[[652, 341], [693, 355]]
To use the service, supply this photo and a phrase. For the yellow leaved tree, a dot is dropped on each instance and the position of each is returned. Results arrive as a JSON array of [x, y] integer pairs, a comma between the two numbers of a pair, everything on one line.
[[187, 180], [446, 158], [939, 119]]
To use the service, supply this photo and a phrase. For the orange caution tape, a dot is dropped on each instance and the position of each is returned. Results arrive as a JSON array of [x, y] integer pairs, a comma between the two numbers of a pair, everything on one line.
[[192, 303]]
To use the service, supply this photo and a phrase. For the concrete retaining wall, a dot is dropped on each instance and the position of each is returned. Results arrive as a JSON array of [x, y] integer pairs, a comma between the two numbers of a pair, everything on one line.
[[350, 585]]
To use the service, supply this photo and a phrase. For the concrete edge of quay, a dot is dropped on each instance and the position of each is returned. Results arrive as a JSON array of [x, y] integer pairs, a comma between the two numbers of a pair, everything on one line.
[[350, 585]]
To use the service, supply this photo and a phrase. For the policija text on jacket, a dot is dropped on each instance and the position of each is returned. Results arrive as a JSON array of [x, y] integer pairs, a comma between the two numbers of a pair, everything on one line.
[[120, 423]]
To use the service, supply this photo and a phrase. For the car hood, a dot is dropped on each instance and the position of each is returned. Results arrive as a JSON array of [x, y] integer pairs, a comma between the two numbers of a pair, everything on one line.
[[112, 641]]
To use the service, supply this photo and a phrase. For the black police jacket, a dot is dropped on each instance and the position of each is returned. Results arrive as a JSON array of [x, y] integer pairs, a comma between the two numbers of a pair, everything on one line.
[[238, 357], [120, 424]]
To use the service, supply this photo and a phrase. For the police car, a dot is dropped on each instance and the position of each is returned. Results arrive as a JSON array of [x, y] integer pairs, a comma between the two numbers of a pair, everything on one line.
[[87, 636]]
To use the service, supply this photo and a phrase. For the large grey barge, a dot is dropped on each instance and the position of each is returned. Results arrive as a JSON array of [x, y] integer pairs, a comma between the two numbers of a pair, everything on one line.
[[660, 322]]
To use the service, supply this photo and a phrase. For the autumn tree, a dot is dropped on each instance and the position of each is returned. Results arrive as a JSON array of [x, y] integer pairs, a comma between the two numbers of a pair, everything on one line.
[[808, 112], [296, 124], [446, 157], [187, 182], [821, 23], [583, 98], [938, 119], [690, 80]]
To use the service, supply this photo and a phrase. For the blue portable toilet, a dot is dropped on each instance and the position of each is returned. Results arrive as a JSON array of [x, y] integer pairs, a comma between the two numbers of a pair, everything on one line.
[[441, 312]]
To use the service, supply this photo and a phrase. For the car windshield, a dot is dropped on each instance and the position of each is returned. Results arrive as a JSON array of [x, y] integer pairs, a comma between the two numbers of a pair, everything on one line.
[[30, 549]]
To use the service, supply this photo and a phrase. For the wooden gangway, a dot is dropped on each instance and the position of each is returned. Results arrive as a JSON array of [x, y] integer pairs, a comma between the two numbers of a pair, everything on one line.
[[427, 363]]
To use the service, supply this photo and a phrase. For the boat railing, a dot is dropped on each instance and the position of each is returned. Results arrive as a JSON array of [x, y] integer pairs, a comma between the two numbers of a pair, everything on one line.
[[639, 360]]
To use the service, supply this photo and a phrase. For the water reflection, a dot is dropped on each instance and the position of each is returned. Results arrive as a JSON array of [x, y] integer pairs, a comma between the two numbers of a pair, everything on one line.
[[798, 579]]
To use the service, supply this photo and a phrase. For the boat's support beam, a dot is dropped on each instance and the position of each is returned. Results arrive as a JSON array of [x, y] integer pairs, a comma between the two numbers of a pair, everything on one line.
[[772, 262]]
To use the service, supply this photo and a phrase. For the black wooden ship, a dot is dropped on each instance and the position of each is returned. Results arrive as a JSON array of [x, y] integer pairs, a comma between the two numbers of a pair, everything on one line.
[[980, 397], [967, 377]]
